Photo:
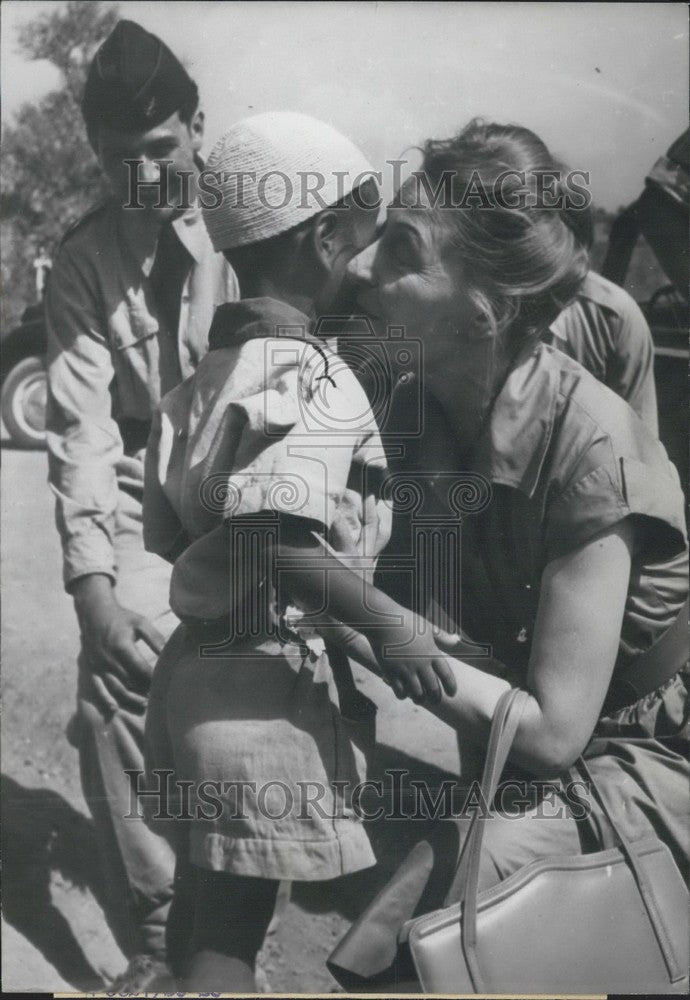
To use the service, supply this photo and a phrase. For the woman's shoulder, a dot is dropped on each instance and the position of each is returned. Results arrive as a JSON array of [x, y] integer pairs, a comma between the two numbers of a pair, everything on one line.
[[578, 449], [591, 419], [554, 404], [549, 412]]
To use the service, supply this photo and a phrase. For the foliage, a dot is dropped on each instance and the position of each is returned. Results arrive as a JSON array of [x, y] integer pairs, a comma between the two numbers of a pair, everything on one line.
[[50, 176], [49, 173], [67, 37]]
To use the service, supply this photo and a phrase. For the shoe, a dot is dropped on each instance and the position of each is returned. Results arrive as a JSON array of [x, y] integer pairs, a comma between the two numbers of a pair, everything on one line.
[[144, 974]]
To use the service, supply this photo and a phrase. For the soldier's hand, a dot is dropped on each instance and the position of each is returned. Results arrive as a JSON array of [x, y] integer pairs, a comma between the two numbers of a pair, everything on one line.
[[109, 636]]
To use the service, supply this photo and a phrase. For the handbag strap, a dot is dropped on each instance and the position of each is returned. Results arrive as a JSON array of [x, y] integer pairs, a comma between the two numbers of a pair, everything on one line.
[[506, 720], [504, 725], [642, 879], [497, 751]]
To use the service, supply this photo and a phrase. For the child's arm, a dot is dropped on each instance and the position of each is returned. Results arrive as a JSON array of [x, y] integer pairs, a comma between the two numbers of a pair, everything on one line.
[[402, 642], [353, 643], [574, 648]]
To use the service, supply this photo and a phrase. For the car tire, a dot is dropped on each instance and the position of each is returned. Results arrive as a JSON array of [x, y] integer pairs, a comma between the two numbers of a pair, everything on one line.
[[23, 403]]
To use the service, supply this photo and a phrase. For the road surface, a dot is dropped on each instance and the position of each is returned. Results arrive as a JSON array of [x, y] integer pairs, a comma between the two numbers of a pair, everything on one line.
[[56, 936]]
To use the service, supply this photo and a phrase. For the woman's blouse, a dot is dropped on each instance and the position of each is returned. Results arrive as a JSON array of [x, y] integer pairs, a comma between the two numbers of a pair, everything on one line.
[[560, 459]]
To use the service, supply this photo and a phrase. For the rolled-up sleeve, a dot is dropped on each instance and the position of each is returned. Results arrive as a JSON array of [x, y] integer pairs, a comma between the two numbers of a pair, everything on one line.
[[606, 487], [83, 439]]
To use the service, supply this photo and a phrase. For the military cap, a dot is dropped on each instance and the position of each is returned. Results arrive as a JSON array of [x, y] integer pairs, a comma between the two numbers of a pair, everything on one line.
[[134, 82]]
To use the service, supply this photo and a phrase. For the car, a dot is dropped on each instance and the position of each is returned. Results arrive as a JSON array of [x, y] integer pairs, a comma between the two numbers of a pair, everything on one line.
[[24, 389], [660, 216], [23, 383]]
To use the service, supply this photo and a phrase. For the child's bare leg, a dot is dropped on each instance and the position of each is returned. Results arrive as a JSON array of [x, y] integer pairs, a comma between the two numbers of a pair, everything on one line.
[[232, 914]]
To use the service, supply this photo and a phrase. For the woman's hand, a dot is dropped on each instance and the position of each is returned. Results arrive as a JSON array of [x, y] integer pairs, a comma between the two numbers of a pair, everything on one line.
[[413, 665]]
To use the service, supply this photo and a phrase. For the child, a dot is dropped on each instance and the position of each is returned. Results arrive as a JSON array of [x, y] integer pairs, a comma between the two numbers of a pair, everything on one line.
[[270, 445]]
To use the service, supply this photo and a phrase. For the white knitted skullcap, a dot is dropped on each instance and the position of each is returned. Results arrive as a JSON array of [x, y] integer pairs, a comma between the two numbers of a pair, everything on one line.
[[293, 165]]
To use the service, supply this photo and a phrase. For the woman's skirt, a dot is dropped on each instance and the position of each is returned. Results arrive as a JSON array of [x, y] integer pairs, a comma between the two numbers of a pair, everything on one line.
[[638, 759]]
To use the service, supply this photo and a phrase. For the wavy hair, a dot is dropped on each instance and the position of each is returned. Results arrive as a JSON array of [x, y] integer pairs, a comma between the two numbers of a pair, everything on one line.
[[522, 262]]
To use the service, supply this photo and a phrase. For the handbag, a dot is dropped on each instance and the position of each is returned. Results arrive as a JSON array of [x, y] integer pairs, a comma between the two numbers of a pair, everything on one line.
[[615, 921]]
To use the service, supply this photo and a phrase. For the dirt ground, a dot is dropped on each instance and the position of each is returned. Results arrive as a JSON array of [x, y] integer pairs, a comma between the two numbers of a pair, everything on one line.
[[55, 935]]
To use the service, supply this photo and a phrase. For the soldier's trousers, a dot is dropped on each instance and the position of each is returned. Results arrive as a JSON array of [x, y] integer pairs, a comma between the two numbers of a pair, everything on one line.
[[138, 865]]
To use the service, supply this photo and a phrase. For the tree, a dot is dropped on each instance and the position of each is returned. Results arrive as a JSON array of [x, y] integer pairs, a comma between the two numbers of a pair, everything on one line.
[[50, 175]]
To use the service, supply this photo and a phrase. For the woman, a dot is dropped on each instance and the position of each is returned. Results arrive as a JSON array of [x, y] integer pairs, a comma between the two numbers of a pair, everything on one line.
[[578, 564]]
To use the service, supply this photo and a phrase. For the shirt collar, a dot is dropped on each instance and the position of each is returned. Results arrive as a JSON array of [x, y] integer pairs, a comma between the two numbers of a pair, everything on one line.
[[190, 227], [513, 444], [249, 319], [191, 233], [141, 239], [591, 287]]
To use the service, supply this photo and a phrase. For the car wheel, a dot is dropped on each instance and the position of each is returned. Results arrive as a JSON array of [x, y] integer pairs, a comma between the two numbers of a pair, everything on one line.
[[23, 403]]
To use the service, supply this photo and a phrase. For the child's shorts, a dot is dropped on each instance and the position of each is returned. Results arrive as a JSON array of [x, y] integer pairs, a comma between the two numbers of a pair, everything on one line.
[[274, 772]]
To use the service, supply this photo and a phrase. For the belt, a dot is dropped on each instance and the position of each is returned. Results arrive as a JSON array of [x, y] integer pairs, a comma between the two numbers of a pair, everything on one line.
[[649, 670]]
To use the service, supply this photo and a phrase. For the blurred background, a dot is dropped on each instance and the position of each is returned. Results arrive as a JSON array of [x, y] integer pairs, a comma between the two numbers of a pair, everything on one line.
[[606, 85]]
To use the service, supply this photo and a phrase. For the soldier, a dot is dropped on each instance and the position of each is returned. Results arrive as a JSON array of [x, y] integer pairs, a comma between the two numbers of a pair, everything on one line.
[[605, 330], [129, 307]]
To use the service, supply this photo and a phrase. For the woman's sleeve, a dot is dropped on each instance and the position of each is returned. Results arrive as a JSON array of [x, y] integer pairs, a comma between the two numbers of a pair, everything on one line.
[[605, 486]]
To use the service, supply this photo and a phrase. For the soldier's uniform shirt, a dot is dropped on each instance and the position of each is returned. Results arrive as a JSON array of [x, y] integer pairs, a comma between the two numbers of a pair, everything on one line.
[[111, 358], [604, 329]]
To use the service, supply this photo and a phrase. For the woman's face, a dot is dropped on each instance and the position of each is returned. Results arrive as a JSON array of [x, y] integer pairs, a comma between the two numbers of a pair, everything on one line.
[[411, 277]]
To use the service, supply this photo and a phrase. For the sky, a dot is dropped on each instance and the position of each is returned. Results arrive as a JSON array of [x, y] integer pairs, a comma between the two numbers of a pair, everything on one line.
[[605, 85]]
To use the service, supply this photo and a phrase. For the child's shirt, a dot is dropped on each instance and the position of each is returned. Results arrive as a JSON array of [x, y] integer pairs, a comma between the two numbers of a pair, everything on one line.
[[271, 421]]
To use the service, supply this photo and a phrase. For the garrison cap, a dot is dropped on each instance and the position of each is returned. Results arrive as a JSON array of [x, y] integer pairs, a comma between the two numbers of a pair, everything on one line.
[[134, 82]]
